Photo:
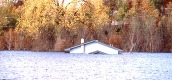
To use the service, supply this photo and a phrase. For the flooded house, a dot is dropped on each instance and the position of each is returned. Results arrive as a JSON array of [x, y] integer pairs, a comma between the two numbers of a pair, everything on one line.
[[93, 47]]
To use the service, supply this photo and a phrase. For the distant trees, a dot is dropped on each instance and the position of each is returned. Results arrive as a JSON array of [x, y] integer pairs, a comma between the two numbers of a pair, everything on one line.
[[167, 28], [48, 25], [83, 19], [143, 33], [8, 20], [40, 20], [46, 22]]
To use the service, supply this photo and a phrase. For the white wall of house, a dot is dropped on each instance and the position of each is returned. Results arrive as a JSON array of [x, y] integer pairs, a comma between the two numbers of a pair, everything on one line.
[[94, 47]]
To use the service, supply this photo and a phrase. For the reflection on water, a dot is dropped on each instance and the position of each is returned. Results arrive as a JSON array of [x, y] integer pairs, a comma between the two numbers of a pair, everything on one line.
[[19, 65]]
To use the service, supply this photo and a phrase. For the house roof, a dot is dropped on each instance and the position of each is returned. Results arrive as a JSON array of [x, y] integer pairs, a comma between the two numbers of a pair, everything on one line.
[[93, 41]]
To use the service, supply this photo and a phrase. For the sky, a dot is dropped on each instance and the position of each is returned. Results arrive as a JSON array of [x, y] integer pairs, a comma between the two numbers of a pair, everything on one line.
[[65, 2]]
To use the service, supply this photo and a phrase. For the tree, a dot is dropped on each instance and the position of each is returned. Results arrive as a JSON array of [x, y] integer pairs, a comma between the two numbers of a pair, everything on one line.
[[41, 21], [166, 23], [8, 20], [82, 18], [8, 17], [142, 33]]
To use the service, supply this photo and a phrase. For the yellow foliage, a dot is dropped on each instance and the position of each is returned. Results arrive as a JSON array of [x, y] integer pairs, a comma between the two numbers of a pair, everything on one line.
[[145, 11], [37, 14], [40, 14], [145, 8], [86, 13]]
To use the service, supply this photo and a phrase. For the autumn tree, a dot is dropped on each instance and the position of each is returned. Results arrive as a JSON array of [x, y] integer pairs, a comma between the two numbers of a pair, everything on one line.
[[8, 20], [142, 33], [132, 25], [40, 20], [8, 17], [167, 29], [82, 18]]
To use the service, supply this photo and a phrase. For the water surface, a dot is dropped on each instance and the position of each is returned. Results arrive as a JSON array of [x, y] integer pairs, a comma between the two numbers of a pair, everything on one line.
[[26, 65]]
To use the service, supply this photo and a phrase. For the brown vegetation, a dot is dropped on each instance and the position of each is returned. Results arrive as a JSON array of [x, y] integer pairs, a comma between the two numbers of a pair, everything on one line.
[[139, 25]]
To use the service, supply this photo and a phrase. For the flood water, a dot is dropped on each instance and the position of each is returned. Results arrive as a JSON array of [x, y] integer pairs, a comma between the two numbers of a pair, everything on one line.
[[26, 65]]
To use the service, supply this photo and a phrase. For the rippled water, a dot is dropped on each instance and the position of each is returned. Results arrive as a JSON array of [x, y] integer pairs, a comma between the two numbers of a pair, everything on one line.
[[25, 65]]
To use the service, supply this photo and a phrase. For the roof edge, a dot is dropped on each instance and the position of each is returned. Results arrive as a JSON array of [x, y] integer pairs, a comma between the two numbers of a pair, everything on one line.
[[68, 49]]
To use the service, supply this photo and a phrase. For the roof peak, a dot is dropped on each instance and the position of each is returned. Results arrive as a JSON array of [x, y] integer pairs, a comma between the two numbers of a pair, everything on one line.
[[96, 41]]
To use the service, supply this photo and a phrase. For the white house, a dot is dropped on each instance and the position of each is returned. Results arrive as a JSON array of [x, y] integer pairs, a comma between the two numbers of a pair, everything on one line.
[[93, 47]]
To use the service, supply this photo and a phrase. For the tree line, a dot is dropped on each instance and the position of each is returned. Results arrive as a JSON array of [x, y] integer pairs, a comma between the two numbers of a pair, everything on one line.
[[48, 25]]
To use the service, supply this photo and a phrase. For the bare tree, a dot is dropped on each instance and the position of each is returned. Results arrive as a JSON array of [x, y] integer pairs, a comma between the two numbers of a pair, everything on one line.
[[132, 35]]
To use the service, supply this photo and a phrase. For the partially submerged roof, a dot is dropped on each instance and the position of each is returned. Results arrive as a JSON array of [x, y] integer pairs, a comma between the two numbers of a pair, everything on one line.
[[93, 41]]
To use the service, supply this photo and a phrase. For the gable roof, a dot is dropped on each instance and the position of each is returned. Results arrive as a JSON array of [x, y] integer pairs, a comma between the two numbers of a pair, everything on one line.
[[93, 41]]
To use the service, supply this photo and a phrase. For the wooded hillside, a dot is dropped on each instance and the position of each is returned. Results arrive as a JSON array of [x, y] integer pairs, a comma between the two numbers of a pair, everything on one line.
[[51, 25]]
